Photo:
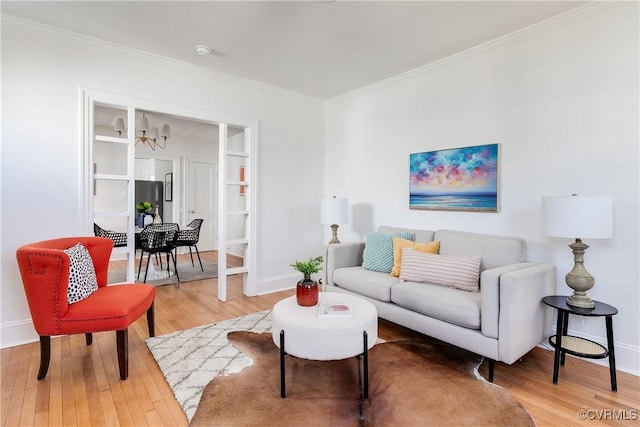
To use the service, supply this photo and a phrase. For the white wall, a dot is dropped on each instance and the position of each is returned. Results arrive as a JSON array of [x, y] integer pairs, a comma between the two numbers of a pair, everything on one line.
[[562, 100], [43, 72]]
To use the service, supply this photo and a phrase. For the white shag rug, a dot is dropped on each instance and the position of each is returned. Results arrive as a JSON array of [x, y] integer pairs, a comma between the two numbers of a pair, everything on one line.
[[190, 359]]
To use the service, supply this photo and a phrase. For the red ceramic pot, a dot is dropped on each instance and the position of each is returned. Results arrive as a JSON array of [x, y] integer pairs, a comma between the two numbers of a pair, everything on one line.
[[307, 292]]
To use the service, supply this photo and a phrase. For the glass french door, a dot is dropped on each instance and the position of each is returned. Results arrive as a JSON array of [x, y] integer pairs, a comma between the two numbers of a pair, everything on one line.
[[109, 165], [109, 180], [236, 198]]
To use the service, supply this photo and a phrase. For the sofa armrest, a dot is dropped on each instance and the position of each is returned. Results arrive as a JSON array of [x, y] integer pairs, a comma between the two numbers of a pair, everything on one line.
[[490, 296], [522, 322], [341, 255]]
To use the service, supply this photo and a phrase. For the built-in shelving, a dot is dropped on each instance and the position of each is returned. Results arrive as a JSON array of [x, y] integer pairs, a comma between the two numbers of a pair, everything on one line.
[[237, 154]]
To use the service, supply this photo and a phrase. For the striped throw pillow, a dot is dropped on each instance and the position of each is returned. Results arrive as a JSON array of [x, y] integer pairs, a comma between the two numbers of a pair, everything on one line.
[[451, 271], [399, 244]]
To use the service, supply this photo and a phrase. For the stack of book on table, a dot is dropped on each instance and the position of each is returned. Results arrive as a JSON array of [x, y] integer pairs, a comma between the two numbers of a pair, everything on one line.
[[335, 309]]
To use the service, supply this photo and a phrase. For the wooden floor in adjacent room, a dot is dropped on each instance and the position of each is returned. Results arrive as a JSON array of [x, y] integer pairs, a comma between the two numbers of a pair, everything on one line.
[[83, 387]]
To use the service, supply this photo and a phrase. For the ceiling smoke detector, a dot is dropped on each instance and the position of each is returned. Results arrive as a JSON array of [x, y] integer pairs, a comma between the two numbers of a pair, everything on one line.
[[202, 49]]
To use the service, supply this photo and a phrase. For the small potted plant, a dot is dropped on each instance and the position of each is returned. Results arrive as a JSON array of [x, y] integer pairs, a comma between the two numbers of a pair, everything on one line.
[[143, 208], [307, 288]]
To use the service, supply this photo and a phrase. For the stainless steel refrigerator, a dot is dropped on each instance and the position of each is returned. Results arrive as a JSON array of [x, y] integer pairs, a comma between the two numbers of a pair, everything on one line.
[[152, 192]]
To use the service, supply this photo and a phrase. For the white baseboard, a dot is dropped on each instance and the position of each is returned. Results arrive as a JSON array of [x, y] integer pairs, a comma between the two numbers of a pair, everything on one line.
[[17, 333], [277, 284], [627, 356], [626, 359]]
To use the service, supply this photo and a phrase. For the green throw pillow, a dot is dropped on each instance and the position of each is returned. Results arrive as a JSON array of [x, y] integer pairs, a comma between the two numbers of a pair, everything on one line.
[[378, 250]]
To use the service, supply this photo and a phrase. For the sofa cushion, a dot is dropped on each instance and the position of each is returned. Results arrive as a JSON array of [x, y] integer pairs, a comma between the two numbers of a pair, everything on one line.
[[416, 235], [378, 251], [452, 271], [371, 284], [447, 304], [495, 251], [399, 244]]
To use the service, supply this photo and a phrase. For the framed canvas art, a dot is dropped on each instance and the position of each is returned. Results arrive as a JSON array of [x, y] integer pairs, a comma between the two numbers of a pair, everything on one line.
[[168, 187], [457, 179]]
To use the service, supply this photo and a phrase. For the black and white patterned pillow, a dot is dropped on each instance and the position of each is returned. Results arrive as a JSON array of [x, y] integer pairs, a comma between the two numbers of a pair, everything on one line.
[[82, 274]]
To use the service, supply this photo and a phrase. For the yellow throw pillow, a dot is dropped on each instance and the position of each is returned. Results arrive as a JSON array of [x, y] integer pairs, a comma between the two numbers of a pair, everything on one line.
[[399, 244]]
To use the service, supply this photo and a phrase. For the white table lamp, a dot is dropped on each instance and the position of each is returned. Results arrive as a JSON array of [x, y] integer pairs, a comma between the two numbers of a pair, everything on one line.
[[334, 211], [578, 217]]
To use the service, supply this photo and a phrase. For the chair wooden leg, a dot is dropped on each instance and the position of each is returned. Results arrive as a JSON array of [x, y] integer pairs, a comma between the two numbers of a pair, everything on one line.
[[122, 338], [88, 338], [150, 321], [45, 356], [492, 364], [199, 260]]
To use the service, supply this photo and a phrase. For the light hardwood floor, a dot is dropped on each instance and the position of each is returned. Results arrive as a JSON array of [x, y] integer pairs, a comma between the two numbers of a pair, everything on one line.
[[83, 387]]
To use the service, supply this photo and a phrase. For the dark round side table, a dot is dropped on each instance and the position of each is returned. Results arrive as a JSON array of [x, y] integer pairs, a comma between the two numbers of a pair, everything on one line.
[[580, 346]]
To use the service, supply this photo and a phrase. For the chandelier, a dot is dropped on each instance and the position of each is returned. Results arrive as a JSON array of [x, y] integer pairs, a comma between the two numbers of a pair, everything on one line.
[[147, 135]]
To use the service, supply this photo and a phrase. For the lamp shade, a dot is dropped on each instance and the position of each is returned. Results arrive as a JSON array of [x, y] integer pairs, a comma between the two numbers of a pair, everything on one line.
[[578, 217], [119, 125], [154, 133], [166, 131], [143, 124], [334, 211]]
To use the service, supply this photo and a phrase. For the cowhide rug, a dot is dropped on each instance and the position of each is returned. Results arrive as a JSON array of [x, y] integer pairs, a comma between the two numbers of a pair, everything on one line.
[[411, 383]]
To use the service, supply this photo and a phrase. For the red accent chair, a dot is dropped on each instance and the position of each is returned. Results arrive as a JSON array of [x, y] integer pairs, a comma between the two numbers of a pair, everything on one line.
[[44, 268]]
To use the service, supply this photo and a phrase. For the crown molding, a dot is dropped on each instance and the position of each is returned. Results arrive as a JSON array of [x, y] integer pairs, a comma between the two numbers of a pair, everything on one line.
[[597, 6], [10, 21]]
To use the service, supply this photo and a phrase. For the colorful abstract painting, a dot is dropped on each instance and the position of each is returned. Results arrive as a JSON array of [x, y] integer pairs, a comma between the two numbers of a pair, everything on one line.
[[460, 179]]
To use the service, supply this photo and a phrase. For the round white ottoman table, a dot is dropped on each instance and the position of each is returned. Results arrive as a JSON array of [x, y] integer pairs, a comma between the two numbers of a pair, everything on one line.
[[304, 332]]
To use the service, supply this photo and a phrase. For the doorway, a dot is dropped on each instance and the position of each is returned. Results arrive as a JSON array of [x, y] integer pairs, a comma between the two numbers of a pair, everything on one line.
[[151, 174], [201, 198], [211, 178]]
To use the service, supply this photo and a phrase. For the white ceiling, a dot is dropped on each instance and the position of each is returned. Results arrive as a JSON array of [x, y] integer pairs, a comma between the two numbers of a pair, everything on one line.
[[318, 48]]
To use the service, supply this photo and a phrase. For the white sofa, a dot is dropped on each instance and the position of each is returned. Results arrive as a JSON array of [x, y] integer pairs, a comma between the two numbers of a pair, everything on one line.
[[502, 322]]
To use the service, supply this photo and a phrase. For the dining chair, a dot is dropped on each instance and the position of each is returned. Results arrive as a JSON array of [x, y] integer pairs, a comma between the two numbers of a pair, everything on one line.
[[159, 239], [189, 237], [65, 281], [119, 239]]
